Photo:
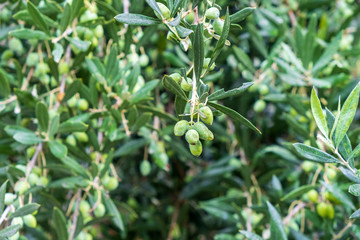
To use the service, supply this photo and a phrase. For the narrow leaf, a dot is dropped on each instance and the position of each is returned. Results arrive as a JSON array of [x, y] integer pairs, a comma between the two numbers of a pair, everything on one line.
[[112, 209], [277, 227], [60, 224], [136, 19], [25, 210], [241, 15], [173, 87], [314, 154], [37, 17], [9, 231], [42, 116], [2, 196], [298, 192], [318, 114], [198, 51]]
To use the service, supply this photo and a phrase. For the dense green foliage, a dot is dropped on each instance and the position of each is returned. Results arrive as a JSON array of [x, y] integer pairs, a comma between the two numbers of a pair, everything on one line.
[[179, 119]]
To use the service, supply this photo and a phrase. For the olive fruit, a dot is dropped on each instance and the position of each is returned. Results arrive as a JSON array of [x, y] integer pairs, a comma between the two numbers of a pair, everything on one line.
[[206, 64], [32, 59], [71, 140], [41, 69], [190, 17], [259, 105], [82, 104], [145, 168], [330, 174], [181, 128], [63, 68], [329, 196], [204, 132], [263, 89], [186, 85], [17, 220], [99, 31], [81, 136], [84, 207], [16, 45], [7, 54], [72, 102], [313, 196], [43, 181], [206, 115], [110, 183], [325, 210], [212, 13], [5, 14], [307, 166], [33, 178], [30, 221], [21, 187], [176, 77], [30, 152], [196, 149], [218, 25], [99, 210], [143, 60], [164, 11], [9, 198], [192, 136], [16, 236]]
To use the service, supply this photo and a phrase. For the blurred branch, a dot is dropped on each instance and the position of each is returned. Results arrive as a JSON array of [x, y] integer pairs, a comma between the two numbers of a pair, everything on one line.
[[76, 215]]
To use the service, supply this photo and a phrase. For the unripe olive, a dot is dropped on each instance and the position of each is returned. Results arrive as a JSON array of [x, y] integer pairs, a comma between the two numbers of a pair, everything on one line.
[[32, 59], [204, 132], [99, 31], [196, 149], [186, 85], [43, 181], [9, 198], [84, 207], [30, 152], [94, 41], [5, 14], [33, 42], [330, 211], [82, 104], [45, 79], [16, 236], [192, 136], [218, 26], [41, 69], [145, 168], [72, 102], [17, 220], [176, 77], [16, 45], [71, 140], [99, 210], [263, 89], [331, 174], [212, 13], [81, 136], [63, 68], [321, 209], [7, 54], [329, 196], [313, 196], [143, 60], [206, 115], [181, 128], [110, 183], [164, 11], [21, 187], [37, 170], [259, 105], [190, 17], [307, 166], [33, 179], [30, 221]]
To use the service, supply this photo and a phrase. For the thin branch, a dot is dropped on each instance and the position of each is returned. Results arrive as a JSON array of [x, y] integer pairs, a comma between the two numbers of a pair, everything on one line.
[[33, 160], [76, 215]]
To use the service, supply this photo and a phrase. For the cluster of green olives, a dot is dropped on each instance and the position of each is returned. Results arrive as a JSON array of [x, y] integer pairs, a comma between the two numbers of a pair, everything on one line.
[[263, 90], [194, 131]]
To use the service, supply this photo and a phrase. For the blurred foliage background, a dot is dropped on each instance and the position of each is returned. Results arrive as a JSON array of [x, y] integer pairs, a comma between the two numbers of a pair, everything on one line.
[[285, 47]]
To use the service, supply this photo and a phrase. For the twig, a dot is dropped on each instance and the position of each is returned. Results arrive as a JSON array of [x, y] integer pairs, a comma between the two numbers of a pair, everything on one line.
[[339, 234], [5, 213], [33, 160], [293, 212], [76, 215]]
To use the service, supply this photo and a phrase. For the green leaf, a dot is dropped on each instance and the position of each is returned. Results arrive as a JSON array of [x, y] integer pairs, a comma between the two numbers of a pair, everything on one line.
[[250, 235], [57, 52], [72, 126], [54, 125], [241, 15], [27, 138], [355, 153], [72, 90], [65, 18], [112, 209], [130, 147], [26, 33], [198, 48], [58, 149], [42, 116], [37, 17], [318, 114], [222, 40], [60, 224], [355, 214], [136, 19], [180, 105], [154, 6], [76, 7], [74, 165], [244, 59], [144, 91], [9, 231], [234, 115], [277, 227], [347, 114], [354, 189], [176, 7], [173, 87], [314, 154], [4, 84], [332, 188], [298, 192], [328, 54], [79, 44], [2, 196], [221, 94], [25, 210]]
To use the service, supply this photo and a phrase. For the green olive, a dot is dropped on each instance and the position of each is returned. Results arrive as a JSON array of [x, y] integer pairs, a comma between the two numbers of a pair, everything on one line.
[[212, 13], [9, 198], [203, 131], [145, 168], [196, 149], [313, 196], [16, 45], [32, 59], [82, 104], [30, 221], [259, 105], [21, 187], [99, 210], [164, 11], [81, 136], [218, 25], [307, 166], [176, 77], [71, 140], [190, 17], [63, 68], [206, 115], [181, 128], [186, 85], [192, 136], [84, 207]]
